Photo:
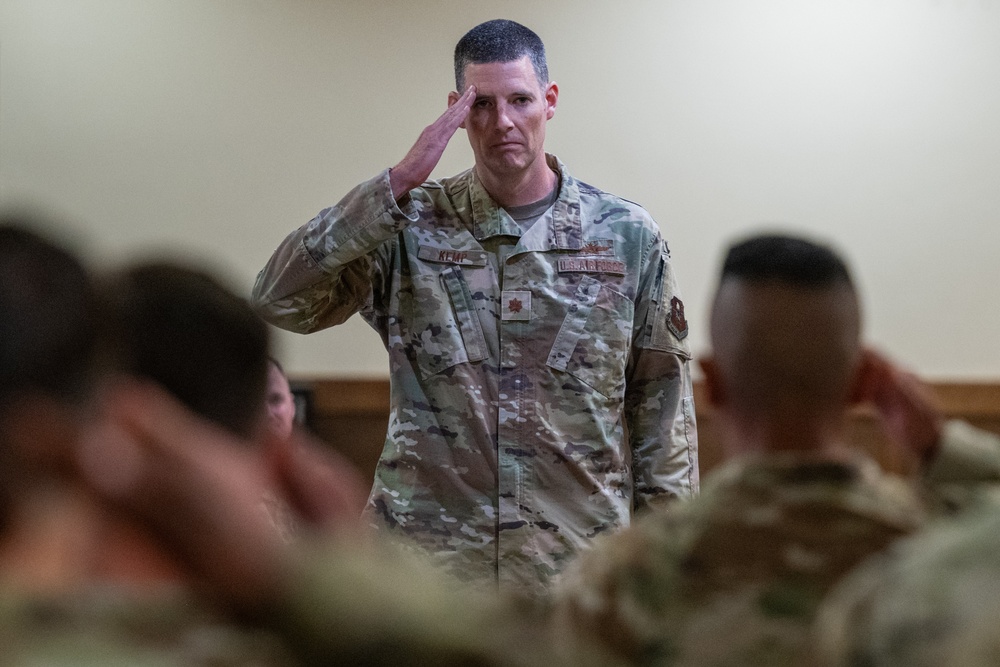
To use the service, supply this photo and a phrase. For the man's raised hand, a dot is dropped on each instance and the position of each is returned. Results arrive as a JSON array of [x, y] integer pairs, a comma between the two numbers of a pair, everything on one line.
[[420, 161], [909, 411]]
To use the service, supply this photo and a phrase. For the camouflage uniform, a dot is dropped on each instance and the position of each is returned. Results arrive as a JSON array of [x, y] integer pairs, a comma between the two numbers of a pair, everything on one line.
[[734, 576], [107, 627], [513, 377], [933, 599], [966, 455], [341, 605], [370, 605]]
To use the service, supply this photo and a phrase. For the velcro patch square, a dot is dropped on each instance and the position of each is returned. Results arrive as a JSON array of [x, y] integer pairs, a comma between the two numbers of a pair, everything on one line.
[[515, 305]]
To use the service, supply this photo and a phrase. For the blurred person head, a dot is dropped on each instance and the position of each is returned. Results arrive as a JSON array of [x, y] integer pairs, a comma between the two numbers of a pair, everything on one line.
[[785, 331], [279, 403], [181, 328], [48, 356]]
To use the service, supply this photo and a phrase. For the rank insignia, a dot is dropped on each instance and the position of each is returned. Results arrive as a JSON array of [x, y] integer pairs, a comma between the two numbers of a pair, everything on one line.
[[676, 322], [515, 305], [598, 247]]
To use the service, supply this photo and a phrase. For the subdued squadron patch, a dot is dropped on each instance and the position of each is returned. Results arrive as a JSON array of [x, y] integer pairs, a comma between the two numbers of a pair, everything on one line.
[[676, 321]]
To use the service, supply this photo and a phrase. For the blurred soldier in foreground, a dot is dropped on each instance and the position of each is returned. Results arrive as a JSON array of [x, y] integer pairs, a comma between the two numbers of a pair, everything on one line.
[[180, 328], [541, 390], [80, 585], [734, 577], [69, 475], [341, 602], [932, 599]]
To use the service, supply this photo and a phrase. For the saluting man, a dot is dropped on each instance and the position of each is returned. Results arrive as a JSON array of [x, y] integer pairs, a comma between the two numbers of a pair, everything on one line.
[[540, 384]]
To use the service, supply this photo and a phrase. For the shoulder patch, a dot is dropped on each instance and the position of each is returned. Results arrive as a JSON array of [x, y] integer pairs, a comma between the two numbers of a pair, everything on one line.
[[676, 321]]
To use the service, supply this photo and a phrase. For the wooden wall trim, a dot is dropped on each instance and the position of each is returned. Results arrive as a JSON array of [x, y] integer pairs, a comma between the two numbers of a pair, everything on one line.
[[340, 397], [355, 396], [351, 414], [969, 400]]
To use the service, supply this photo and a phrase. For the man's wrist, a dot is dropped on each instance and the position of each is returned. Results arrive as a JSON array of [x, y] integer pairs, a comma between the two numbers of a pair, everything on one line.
[[400, 183]]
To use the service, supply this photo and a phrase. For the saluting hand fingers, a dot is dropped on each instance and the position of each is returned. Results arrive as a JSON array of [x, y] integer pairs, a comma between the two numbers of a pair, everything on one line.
[[456, 113]]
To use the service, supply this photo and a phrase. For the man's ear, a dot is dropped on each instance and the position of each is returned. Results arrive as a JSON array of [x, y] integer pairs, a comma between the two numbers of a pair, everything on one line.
[[452, 98], [713, 381], [551, 98]]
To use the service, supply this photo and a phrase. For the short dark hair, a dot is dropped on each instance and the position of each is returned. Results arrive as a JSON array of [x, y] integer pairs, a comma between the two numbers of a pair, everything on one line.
[[48, 317], [499, 41], [181, 328], [787, 259]]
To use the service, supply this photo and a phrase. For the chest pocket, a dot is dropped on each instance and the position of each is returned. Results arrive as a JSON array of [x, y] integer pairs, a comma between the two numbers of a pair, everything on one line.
[[444, 329], [593, 342]]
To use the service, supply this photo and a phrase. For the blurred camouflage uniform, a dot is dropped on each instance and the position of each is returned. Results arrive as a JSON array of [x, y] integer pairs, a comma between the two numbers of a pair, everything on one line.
[[107, 626], [342, 605], [965, 473], [518, 362], [734, 576], [369, 605], [933, 599]]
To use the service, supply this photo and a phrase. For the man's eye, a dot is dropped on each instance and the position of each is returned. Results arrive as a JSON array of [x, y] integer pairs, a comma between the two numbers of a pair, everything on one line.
[[481, 104], [522, 100]]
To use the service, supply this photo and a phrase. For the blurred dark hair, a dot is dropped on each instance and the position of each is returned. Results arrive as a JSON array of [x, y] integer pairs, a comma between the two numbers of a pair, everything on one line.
[[48, 317], [786, 259], [181, 328]]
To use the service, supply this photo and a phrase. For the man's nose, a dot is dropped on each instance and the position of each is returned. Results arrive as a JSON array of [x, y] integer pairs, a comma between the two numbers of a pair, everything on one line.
[[503, 117]]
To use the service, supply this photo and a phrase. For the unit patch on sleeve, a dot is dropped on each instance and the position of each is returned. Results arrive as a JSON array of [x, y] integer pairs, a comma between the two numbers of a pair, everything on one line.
[[676, 322]]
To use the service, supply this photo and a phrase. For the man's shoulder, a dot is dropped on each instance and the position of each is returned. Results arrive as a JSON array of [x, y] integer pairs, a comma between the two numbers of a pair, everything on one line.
[[608, 199], [602, 210], [593, 195], [448, 186]]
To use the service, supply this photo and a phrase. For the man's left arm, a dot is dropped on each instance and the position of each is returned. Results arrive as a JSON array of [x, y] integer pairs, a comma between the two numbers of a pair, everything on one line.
[[951, 451], [659, 401]]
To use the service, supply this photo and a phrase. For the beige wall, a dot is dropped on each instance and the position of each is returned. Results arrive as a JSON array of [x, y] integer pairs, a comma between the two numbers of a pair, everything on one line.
[[213, 127]]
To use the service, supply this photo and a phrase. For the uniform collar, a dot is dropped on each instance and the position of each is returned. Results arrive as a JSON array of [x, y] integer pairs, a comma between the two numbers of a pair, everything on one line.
[[564, 233]]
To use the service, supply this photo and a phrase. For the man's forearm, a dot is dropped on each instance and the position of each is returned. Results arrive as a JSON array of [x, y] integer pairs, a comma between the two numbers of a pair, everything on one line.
[[322, 272], [662, 428]]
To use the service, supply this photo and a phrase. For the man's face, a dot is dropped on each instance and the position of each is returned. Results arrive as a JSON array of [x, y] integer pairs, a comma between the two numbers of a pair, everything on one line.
[[506, 125], [280, 404]]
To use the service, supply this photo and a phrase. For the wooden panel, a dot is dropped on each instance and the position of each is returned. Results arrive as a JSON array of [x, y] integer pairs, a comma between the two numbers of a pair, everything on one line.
[[346, 397], [352, 416], [969, 401]]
